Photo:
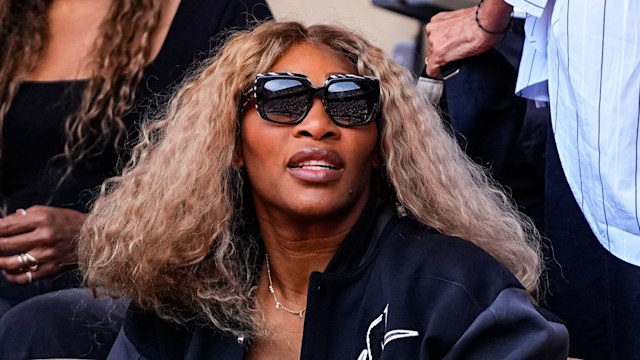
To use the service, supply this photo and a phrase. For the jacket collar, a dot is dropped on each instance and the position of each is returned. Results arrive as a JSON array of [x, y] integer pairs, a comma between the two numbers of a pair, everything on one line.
[[363, 239]]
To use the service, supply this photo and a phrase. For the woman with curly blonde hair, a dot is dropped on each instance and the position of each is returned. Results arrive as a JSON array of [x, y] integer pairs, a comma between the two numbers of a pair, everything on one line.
[[76, 77], [298, 199]]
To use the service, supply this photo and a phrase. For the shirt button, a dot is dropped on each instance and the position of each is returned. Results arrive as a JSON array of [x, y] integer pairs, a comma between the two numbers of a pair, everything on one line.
[[322, 291]]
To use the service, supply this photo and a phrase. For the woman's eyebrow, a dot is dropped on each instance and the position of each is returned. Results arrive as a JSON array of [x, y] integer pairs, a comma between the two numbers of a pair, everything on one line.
[[336, 73]]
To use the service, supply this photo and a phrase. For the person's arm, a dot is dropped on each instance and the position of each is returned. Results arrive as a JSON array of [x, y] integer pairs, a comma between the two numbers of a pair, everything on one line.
[[455, 35]]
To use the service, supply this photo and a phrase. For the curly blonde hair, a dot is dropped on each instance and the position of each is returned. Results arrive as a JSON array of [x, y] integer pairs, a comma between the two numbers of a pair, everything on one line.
[[168, 232]]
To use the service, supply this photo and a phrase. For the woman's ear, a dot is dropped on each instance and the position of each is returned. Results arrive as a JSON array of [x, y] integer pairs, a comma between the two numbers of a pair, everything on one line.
[[238, 160], [377, 158], [376, 162]]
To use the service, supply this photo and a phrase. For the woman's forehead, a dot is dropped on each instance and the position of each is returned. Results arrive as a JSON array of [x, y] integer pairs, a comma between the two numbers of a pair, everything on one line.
[[317, 61]]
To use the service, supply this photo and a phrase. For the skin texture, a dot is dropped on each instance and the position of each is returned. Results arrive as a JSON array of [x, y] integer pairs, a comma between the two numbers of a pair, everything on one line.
[[48, 233], [454, 35], [267, 148], [302, 220], [74, 26]]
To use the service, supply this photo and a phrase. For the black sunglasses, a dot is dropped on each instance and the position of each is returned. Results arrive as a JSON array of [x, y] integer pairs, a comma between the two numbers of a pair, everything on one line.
[[286, 98]]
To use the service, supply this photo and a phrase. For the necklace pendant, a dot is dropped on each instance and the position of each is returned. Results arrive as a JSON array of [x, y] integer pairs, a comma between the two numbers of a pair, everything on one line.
[[279, 305]]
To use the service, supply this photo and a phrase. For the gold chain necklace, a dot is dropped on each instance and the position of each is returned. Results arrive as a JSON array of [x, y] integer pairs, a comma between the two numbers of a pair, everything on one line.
[[279, 305]]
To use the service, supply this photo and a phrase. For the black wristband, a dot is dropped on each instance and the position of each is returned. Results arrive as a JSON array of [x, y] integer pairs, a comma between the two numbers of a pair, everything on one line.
[[484, 28]]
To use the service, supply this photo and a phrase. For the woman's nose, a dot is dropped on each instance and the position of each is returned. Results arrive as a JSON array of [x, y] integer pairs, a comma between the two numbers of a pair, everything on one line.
[[317, 123]]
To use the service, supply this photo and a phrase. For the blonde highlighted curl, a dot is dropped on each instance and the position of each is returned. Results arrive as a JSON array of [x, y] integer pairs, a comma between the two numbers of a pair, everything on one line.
[[166, 233]]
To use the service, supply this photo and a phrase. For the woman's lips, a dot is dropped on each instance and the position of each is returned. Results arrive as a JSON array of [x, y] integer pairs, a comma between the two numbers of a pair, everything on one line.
[[316, 165]]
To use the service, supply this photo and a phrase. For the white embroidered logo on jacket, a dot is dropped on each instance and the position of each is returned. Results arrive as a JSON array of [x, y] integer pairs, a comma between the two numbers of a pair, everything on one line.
[[378, 336]]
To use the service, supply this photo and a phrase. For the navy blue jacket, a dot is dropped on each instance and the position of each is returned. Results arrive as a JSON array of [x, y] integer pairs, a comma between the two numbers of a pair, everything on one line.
[[394, 290]]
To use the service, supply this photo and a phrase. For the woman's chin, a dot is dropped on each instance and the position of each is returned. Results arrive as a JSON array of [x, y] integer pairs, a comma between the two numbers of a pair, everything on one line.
[[325, 206]]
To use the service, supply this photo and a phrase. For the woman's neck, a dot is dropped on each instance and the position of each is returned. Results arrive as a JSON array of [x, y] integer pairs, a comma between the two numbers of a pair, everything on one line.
[[293, 256], [298, 245]]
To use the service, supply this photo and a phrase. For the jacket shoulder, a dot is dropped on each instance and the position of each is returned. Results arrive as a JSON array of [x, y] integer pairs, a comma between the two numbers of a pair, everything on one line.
[[416, 251]]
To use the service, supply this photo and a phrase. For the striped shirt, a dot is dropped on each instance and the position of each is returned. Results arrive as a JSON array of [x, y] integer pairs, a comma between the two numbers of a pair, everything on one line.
[[583, 57]]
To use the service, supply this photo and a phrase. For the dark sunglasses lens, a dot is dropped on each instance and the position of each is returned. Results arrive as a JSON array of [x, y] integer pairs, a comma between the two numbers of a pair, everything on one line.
[[283, 100], [350, 102]]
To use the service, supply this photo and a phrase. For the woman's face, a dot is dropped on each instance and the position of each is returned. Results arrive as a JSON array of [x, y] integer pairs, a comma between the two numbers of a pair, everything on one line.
[[314, 170]]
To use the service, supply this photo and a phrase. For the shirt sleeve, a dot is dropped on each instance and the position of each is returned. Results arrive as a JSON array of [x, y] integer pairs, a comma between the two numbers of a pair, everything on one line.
[[512, 328], [533, 74], [430, 88], [532, 7]]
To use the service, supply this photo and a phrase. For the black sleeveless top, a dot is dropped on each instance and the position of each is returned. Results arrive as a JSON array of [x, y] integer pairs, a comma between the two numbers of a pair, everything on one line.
[[34, 127]]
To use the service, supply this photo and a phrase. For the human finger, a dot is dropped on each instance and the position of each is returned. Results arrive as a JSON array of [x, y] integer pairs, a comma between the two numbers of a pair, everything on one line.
[[23, 242], [433, 71], [30, 260], [438, 48], [16, 223], [433, 62], [44, 271]]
